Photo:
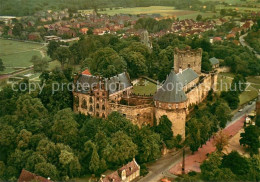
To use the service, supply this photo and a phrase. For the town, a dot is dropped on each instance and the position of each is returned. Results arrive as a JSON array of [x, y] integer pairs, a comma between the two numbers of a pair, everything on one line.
[[106, 91]]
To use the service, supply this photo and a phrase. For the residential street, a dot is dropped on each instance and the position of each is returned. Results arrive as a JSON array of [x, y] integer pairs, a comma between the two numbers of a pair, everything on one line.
[[161, 167], [243, 43]]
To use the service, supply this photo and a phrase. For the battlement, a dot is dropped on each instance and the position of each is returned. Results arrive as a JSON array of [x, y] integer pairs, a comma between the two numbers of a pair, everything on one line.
[[188, 51]]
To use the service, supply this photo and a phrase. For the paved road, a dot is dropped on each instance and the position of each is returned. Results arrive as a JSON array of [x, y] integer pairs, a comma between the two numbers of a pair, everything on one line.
[[161, 167], [243, 43]]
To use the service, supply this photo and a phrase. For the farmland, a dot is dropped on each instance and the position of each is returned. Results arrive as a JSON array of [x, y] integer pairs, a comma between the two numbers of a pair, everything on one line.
[[17, 55], [165, 11]]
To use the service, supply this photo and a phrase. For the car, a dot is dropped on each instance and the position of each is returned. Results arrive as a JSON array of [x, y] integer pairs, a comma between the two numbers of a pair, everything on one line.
[[240, 110]]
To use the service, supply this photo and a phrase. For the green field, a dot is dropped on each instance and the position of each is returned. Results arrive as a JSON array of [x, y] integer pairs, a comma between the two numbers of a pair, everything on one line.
[[162, 10], [16, 55]]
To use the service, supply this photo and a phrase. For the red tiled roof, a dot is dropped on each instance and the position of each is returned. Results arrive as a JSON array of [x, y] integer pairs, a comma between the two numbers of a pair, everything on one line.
[[112, 177], [27, 176], [129, 168], [86, 72]]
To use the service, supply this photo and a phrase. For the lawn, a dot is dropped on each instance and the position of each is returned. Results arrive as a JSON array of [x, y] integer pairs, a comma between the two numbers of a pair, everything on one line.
[[17, 54], [144, 87], [224, 83], [162, 10]]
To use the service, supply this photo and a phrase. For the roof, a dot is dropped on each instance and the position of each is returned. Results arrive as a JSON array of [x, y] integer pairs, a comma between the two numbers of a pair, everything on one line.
[[214, 61], [129, 168], [112, 84], [27, 176], [86, 72], [187, 76], [171, 91]]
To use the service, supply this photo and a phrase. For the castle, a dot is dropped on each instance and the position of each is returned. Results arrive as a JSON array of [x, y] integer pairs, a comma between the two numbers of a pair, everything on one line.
[[184, 87]]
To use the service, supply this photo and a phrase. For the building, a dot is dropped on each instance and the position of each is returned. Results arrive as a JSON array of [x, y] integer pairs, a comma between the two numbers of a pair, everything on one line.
[[127, 173], [184, 87], [214, 62], [27, 176]]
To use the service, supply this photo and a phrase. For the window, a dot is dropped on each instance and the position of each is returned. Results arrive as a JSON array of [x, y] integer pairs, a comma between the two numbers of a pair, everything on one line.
[[97, 106], [91, 109], [103, 115], [177, 106], [188, 65], [76, 100], [103, 107], [90, 100], [169, 106], [84, 104], [97, 114], [160, 105]]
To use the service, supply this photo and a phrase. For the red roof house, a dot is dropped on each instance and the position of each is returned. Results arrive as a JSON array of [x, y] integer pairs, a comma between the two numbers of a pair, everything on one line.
[[27, 176]]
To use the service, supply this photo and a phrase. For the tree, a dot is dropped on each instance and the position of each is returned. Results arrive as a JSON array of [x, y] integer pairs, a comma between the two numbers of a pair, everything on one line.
[[238, 83], [39, 64], [223, 114], [107, 62], [220, 141], [238, 164], [23, 139], [65, 128], [63, 55], [223, 12], [199, 17], [232, 98], [47, 170], [52, 47], [164, 128], [250, 138], [121, 149], [2, 67], [34, 159], [17, 30], [94, 164], [193, 135]]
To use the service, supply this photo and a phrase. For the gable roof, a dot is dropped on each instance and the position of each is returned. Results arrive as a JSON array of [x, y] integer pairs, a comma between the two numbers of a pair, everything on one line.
[[112, 84], [171, 91], [214, 61], [27, 176], [86, 72], [187, 76]]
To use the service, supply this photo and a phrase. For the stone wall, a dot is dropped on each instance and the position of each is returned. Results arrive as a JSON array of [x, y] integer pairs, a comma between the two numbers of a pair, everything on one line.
[[139, 115], [188, 58], [177, 117]]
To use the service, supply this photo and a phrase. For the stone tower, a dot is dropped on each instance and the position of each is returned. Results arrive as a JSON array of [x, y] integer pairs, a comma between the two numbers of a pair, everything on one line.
[[170, 100], [188, 58]]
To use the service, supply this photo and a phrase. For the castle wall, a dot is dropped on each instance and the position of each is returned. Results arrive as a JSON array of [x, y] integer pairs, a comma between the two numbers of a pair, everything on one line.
[[199, 93], [139, 115]]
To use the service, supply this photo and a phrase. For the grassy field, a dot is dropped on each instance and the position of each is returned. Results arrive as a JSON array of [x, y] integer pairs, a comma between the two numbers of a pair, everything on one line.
[[17, 54], [144, 87], [162, 10], [224, 83]]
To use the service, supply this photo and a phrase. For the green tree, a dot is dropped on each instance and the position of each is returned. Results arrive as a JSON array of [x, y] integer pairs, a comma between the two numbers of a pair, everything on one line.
[[65, 128], [94, 164], [199, 17], [52, 47], [17, 30], [193, 135], [63, 55], [250, 138], [47, 170], [23, 139], [34, 159], [223, 114], [164, 128], [121, 149], [39, 64], [2, 67]]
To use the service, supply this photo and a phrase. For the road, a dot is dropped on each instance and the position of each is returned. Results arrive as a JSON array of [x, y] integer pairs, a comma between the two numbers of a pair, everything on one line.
[[243, 43], [160, 168]]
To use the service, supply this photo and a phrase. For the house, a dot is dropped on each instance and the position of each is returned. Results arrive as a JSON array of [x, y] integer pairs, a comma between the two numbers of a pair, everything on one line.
[[66, 31], [27, 176], [128, 173], [83, 30], [214, 62], [52, 38], [231, 36], [34, 36]]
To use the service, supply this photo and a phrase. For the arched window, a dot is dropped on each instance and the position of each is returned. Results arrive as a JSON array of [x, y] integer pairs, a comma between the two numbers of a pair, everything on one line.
[[103, 115], [97, 106], [84, 104], [103, 107], [91, 109], [76, 101], [97, 114], [90, 100]]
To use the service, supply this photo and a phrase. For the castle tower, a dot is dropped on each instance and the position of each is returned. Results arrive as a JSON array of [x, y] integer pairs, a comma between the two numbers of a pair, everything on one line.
[[258, 104], [170, 100], [188, 58]]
